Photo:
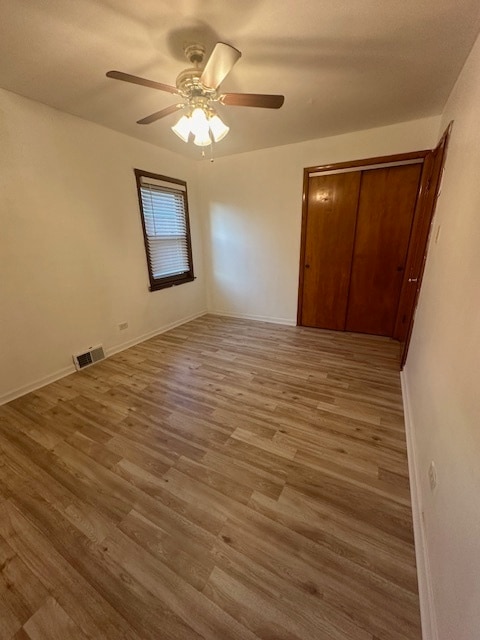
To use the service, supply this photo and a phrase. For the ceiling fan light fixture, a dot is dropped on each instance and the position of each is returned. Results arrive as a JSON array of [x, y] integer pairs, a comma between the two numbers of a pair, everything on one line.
[[183, 128], [218, 128], [199, 88]]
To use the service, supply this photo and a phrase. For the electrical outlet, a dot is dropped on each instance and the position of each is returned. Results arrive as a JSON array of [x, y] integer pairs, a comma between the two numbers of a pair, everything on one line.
[[432, 476], [123, 325]]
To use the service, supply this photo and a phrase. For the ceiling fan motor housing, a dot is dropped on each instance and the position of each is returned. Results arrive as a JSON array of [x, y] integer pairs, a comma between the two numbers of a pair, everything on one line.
[[189, 85]]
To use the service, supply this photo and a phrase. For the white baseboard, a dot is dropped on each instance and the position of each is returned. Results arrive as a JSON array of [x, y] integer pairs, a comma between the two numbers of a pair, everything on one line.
[[151, 334], [66, 371], [425, 590], [36, 384], [246, 316]]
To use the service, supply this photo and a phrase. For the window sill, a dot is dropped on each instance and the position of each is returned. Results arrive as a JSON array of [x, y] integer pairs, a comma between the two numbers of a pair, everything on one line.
[[156, 286]]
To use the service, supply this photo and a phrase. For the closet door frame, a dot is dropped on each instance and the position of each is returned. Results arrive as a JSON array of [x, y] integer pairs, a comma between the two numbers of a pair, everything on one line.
[[430, 187], [352, 165]]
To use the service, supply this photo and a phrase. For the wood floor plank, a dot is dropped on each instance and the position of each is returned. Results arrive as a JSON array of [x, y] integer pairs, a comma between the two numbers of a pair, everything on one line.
[[262, 613], [51, 621], [21, 594], [208, 620], [244, 473], [186, 556], [273, 584], [86, 606], [226, 479], [126, 594], [370, 601], [331, 530]]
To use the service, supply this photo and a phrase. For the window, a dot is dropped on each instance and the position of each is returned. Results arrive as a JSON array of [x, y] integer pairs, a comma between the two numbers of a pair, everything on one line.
[[166, 229]]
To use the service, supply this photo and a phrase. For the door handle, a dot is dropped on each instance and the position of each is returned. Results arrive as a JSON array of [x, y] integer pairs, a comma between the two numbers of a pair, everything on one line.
[[413, 279]]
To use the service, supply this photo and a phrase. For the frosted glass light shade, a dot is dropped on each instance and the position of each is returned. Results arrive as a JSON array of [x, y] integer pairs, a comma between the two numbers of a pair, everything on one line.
[[183, 128], [199, 121], [218, 128], [202, 138]]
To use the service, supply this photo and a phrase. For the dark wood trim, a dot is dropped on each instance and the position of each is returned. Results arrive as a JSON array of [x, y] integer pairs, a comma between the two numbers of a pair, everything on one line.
[[302, 245], [401, 321], [398, 157], [157, 176], [353, 250], [420, 241], [171, 281], [138, 174]]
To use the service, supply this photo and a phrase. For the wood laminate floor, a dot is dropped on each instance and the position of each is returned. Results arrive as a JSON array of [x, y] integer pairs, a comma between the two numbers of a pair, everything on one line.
[[227, 480]]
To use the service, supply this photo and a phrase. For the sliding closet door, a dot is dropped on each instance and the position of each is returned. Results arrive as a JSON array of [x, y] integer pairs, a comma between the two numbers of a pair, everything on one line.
[[384, 221], [329, 232]]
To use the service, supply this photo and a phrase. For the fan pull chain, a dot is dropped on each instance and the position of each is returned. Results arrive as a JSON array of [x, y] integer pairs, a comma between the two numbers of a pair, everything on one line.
[[212, 158]]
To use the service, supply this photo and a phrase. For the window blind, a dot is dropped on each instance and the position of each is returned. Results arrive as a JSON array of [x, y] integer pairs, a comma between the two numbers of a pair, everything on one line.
[[164, 213]]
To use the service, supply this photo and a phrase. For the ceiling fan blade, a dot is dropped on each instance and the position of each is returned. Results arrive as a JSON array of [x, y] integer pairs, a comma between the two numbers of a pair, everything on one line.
[[127, 77], [219, 64], [252, 100], [160, 114]]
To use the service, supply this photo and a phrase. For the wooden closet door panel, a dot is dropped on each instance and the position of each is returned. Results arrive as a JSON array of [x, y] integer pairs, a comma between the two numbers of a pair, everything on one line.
[[384, 220], [329, 238]]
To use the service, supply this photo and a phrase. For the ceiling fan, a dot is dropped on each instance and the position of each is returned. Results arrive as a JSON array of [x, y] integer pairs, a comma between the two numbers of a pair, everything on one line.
[[199, 88]]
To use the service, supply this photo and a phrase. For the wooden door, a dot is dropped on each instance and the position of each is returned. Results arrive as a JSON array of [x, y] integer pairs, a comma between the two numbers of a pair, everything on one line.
[[384, 221], [328, 238], [417, 254]]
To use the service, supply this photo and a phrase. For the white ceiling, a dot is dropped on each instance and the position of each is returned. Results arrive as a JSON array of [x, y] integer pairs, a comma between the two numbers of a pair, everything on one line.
[[343, 65]]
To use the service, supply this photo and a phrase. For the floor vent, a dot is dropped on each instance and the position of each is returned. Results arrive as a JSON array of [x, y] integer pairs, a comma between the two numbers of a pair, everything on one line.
[[93, 355]]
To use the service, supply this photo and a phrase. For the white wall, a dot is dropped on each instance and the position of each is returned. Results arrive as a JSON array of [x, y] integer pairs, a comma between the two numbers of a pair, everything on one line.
[[253, 206], [442, 375], [72, 261]]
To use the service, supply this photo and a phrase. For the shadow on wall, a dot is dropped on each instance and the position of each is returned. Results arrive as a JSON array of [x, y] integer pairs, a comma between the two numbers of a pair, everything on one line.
[[232, 259]]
